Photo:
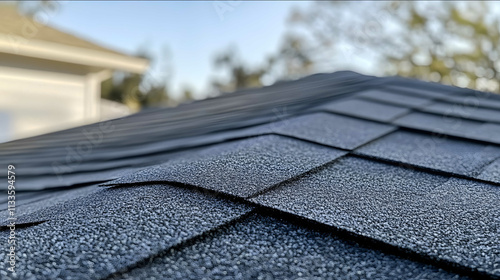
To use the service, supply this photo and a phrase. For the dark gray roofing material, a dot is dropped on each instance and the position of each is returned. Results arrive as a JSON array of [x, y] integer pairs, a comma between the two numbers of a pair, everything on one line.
[[411, 101], [491, 172], [478, 99], [332, 130], [99, 234], [452, 220], [266, 248], [242, 168], [436, 152], [353, 189], [366, 109], [439, 124], [38, 208], [467, 111], [420, 89]]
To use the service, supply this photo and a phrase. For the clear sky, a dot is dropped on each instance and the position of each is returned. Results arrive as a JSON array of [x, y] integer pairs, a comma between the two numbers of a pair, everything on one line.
[[187, 34]]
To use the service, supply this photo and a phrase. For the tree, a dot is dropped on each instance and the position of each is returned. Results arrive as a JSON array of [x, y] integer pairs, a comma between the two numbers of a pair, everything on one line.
[[128, 91], [438, 41], [240, 75], [290, 61], [135, 91]]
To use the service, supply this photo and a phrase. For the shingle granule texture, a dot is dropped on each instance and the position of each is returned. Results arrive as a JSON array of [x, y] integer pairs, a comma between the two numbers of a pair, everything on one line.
[[366, 109], [114, 228], [332, 130], [433, 151], [481, 99], [266, 248], [241, 168], [455, 220], [336, 176], [452, 126], [404, 100], [422, 91], [467, 111], [491, 172], [43, 209]]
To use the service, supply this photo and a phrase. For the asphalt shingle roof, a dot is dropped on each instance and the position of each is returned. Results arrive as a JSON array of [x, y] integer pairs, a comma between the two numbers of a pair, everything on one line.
[[242, 168], [366, 109], [330, 176], [403, 100], [436, 152], [260, 247]]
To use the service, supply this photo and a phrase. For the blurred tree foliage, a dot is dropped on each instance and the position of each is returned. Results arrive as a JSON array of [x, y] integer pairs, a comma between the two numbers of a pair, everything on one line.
[[128, 91], [240, 74], [291, 61], [453, 43]]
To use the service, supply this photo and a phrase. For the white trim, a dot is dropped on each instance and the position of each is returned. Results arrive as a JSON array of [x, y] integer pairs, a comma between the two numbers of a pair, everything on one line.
[[92, 98], [40, 76], [46, 50]]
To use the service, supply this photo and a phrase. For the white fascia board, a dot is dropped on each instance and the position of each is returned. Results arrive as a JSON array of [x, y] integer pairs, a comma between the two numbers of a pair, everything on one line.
[[21, 75], [52, 51]]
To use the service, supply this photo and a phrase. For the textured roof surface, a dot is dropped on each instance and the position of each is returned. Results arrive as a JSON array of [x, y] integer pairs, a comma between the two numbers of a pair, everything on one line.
[[330, 176]]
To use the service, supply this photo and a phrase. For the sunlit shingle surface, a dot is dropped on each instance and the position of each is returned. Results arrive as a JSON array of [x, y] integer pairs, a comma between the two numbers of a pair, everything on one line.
[[330, 176]]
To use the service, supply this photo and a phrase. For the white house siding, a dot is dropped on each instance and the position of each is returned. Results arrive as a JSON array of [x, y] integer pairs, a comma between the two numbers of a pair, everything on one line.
[[40, 101]]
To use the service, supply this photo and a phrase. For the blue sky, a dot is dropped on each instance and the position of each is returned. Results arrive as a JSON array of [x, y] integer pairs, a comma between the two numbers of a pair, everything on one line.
[[189, 32]]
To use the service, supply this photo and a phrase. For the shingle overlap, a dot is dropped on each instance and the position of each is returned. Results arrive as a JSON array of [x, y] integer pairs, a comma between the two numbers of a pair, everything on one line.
[[404, 100], [241, 168], [95, 236], [436, 152], [367, 176], [267, 248], [454, 219], [442, 124], [466, 111], [332, 130], [366, 109]]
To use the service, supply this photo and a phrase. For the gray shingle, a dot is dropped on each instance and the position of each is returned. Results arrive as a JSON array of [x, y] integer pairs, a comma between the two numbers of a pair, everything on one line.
[[366, 109], [240, 168], [482, 99], [39, 208], [93, 233], [395, 98], [267, 248], [438, 124], [491, 172], [489, 132], [466, 111], [455, 220], [115, 228], [433, 151], [332, 130], [422, 90]]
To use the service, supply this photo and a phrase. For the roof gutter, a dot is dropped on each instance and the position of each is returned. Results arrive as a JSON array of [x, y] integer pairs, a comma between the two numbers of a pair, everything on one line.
[[52, 51]]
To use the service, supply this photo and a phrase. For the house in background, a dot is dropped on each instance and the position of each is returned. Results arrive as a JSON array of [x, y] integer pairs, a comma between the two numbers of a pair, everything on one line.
[[51, 80]]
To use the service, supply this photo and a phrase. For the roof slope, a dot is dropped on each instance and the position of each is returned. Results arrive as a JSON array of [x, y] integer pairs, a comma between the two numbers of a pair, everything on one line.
[[330, 176], [14, 24]]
